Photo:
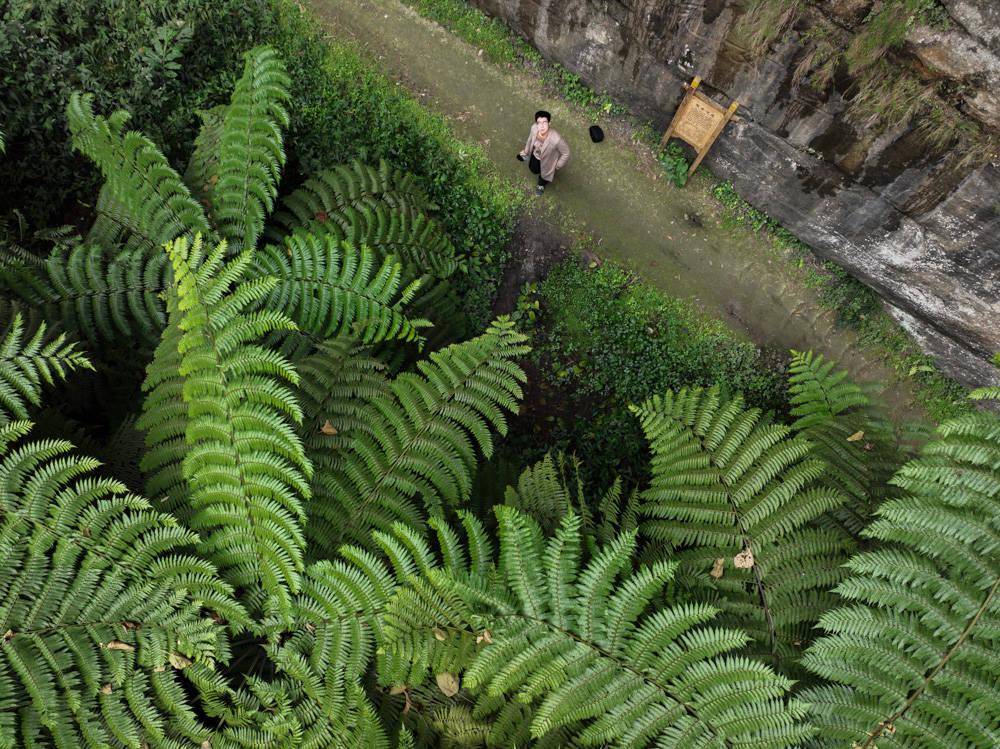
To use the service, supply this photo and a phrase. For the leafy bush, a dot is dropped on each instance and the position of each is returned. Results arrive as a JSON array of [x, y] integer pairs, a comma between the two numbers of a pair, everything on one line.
[[160, 59], [607, 340], [675, 163]]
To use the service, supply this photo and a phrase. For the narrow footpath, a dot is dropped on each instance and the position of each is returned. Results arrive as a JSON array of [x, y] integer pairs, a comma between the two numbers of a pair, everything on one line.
[[673, 238]]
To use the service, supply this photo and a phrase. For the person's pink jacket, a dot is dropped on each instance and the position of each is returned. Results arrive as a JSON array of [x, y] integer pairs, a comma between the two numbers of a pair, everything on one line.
[[555, 152]]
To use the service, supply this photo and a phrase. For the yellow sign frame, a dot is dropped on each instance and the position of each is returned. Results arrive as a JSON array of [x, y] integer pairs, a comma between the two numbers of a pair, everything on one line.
[[698, 121]]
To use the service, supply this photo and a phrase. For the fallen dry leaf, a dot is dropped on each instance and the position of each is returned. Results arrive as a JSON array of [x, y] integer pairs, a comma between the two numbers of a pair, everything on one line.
[[439, 634], [447, 683], [106, 689], [743, 560], [397, 689], [119, 645], [485, 637], [856, 436], [179, 661], [328, 428], [717, 568]]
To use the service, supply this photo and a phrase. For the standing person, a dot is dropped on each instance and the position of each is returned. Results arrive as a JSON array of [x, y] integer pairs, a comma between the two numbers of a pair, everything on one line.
[[547, 149]]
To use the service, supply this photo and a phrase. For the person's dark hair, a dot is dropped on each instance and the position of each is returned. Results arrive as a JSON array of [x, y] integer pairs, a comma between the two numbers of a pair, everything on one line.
[[543, 113]]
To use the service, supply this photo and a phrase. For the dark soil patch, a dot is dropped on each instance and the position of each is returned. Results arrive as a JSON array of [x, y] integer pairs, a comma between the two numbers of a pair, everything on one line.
[[536, 246]]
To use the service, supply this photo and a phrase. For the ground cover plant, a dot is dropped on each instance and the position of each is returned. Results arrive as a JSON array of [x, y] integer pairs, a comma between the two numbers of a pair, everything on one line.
[[300, 560], [602, 340]]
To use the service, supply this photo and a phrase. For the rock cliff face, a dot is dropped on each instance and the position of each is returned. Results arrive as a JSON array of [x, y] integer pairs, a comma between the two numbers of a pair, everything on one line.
[[919, 225]]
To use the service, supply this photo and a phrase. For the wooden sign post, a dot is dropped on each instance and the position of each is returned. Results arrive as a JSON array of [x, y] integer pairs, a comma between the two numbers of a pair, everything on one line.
[[698, 121]]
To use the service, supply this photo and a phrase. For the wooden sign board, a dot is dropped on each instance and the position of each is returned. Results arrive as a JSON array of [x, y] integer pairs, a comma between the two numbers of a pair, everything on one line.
[[698, 121]]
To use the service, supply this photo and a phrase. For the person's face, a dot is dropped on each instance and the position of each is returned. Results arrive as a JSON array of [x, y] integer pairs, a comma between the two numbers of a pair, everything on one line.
[[543, 125]]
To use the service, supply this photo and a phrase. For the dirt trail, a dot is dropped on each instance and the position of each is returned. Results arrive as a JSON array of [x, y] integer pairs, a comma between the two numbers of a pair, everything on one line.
[[672, 238]]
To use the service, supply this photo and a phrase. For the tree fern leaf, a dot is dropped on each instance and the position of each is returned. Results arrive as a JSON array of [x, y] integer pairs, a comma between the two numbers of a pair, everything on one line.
[[911, 660], [353, 185], [243, 466], [250, 150], [202, 173], [663, 679], [99, 593], [332, 289], [146, 194], [27, 365], [847, 432], [418, 442], [736, 494], [98, 294]]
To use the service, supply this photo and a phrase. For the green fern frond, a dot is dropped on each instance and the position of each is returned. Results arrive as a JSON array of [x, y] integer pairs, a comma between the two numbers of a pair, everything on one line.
[[578, 645], [382, 209], [986, 393], [142, 194], [336, 384], [913, 657], [202, 170], [164, 421], [548, 491], [102, 605], [735, 494], [316, 698], [244, 467], [250, 150], [420, 441], [98, 294], [25, 365], [353, 185], [846, 432], [332, 289]]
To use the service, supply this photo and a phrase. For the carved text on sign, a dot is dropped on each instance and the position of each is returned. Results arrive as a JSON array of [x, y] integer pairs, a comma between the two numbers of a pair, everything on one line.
[[698, 124]]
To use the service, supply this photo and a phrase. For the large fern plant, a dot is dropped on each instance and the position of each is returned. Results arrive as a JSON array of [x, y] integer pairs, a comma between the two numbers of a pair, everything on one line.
[[559, 647], [282, 419], [333, 259], [912, 659], [735, 495], [200, 622]]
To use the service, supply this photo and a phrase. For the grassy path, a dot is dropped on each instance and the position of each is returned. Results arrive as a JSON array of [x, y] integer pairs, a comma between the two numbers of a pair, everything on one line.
[[673, 238]]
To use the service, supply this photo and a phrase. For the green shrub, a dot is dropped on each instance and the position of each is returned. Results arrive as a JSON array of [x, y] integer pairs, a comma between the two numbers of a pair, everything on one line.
[[608, 340], [675, 163], [160, 59]]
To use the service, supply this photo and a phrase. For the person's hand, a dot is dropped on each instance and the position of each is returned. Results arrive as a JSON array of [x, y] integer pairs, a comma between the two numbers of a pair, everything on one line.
[[520, 157]]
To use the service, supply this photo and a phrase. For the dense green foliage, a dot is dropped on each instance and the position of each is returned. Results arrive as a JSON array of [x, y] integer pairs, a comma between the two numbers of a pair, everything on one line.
[[607, 340], [162, 60], [286, 408], [729, 483]]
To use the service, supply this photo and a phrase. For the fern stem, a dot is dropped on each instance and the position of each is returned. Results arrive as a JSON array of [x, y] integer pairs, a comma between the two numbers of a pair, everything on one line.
[[876, 732]]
